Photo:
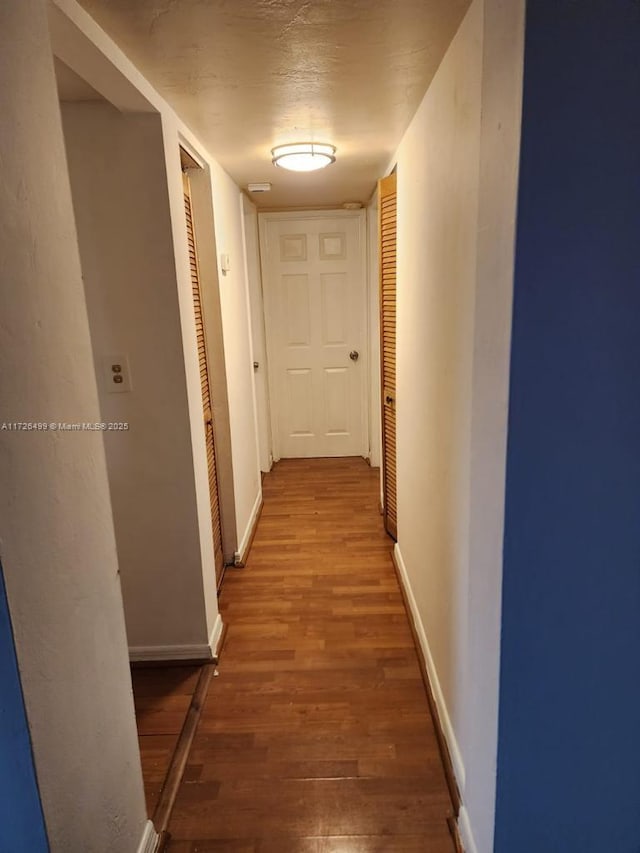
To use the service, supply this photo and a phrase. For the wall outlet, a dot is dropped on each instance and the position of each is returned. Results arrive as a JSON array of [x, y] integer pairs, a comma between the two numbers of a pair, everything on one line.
[[116, 372]]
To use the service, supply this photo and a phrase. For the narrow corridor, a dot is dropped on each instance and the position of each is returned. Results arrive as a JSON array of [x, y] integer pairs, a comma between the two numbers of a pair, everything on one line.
[[316, 737]]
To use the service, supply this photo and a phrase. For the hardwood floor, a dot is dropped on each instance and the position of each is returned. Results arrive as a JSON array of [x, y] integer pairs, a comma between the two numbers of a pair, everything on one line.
[[162, 696], [316, 737]]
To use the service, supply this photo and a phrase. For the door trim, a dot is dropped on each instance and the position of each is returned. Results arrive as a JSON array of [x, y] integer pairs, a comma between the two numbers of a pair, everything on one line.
[[360, 216], [204, 371]]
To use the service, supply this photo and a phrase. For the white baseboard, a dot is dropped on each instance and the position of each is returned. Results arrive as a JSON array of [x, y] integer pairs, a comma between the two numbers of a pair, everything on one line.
[[149, 839], [466, 833], [216, 636], [197, 651], [445, 719], [241, 554]]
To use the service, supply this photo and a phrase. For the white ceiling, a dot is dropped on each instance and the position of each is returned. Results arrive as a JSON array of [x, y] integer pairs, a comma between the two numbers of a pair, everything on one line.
[[246, 75]]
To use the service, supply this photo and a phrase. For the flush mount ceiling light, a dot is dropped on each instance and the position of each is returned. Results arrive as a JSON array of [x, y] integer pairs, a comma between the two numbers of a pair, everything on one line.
[[303, 156]]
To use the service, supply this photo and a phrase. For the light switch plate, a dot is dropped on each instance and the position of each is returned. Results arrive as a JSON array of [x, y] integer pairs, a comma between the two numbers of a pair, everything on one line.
[[116, 372]]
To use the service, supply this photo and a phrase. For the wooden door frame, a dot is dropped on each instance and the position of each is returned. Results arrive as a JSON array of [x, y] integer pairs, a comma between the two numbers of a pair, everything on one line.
[[292, 215]]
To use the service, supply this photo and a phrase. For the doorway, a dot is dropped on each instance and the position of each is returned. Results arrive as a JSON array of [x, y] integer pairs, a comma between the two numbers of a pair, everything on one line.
[[314, 275], [205, 382]]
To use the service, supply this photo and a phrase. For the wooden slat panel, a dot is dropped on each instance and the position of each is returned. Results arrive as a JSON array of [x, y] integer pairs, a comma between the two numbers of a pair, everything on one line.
[[204, 385], [388, 289]]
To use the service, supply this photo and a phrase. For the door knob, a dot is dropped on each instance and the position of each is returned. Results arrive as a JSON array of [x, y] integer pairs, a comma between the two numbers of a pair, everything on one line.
[[354, 355]]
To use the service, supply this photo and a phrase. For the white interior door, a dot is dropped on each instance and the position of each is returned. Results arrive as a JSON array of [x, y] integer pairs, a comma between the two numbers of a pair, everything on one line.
[[315, 300]]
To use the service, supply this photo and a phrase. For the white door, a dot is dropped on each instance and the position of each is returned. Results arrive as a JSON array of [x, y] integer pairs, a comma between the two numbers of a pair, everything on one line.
[[315, 301]]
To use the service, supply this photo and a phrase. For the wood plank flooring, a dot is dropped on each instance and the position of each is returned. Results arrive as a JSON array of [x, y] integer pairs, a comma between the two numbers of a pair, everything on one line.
[[162, 696], [316, 737]]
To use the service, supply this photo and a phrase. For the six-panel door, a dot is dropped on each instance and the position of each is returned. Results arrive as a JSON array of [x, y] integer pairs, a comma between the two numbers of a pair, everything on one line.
[[315, 295]]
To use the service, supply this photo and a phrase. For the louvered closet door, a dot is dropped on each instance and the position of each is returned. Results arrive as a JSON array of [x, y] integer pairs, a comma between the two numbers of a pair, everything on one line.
[[388, 229], [204, 383]]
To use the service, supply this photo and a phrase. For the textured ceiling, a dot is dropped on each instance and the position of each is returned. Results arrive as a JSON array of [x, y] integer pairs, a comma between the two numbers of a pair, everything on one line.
[[246, 75]]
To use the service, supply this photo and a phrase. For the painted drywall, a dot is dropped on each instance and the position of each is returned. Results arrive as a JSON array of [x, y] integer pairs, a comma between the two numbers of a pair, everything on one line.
[[203, 218], [173, 133], [502, 61], [236, 320], [89, 52], [258, 339], [568, 776], [119, 186], [438, 185], [57, 542], [20, 811], [373, 279], [457, 182]]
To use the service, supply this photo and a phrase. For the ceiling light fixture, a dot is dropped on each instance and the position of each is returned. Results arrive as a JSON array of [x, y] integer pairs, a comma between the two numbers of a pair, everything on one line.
[[303, 156]]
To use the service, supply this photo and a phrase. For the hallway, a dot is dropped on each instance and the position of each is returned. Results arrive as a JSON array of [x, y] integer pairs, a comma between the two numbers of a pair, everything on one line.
[[316, 736]]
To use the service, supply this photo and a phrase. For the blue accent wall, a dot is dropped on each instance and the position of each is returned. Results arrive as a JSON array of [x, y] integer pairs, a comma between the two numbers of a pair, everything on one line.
[[569, 728], [21, 821]]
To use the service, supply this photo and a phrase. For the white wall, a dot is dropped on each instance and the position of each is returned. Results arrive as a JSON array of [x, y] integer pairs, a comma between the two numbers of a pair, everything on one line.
[[234, 300], [119, 185], [375, 401], [88, 51], [203, 216], [503, 49], [438, 183], [56, 535], [258, 336], [456, 209], [78, 41], [173, 135]]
